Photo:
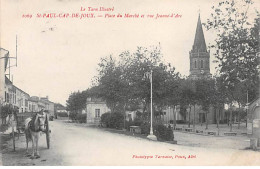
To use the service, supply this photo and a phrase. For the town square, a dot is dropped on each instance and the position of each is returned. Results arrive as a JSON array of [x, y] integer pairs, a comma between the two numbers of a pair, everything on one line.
[[172, 83]]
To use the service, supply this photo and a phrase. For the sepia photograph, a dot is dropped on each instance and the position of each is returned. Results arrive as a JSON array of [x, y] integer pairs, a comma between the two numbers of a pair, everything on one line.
[[129, 83]]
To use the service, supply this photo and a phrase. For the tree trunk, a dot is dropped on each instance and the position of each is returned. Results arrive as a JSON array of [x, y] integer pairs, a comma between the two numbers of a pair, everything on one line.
[[230, 119], [201, 118], [217, 115], [238, 115], [144, 108], [189, 117], [124, 115], [194, 118], [247, 106], [218, 119], [174, 116], [206, 114], [246, 118]]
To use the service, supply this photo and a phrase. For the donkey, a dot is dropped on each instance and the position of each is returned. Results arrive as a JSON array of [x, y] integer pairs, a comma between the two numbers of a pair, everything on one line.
[[33, 127]]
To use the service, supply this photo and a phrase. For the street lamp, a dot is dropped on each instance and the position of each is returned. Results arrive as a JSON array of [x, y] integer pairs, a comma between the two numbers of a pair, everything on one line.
[[151, 135]]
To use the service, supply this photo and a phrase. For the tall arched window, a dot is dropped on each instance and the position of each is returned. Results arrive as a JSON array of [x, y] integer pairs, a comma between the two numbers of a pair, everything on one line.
[[201, 64], [195, 64]]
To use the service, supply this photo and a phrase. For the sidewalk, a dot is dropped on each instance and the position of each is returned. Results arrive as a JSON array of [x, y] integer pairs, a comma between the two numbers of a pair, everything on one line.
[[191, 139], [223, 128]]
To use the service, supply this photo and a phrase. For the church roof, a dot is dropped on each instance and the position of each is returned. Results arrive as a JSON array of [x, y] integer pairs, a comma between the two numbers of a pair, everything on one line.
[[199, 41]]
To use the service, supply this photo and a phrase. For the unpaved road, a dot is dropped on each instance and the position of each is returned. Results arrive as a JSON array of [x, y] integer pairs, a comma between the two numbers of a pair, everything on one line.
[[73, 144]]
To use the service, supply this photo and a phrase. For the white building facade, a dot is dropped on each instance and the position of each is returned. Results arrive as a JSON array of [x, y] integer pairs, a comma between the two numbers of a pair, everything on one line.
[[95, 107], [4, 54]]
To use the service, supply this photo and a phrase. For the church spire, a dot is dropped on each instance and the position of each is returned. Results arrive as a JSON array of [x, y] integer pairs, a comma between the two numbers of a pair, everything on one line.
[[199, 41], [199, 56]]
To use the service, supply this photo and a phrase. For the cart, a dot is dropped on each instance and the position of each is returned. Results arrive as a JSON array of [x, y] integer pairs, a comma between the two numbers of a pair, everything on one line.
[[20, 126]]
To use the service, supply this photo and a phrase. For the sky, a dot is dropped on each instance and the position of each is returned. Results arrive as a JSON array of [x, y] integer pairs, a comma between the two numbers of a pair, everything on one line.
[[57, 56]]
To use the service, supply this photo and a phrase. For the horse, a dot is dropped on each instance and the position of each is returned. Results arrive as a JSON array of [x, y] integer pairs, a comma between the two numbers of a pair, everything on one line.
[[33, 127]]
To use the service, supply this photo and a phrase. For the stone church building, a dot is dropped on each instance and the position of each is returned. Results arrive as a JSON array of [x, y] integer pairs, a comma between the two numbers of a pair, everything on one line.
[[199, 56], [199, 68]]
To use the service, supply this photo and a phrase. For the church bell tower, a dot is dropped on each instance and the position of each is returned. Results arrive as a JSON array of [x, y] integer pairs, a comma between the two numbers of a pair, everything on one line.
[[199, 56]]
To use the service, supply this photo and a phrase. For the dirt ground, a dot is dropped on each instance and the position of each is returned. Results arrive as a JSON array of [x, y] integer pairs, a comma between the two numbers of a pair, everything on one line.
[[80, 145]]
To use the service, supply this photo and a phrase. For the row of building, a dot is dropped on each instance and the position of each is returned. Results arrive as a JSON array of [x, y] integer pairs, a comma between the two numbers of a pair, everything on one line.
[[11, 94], [95, 107]]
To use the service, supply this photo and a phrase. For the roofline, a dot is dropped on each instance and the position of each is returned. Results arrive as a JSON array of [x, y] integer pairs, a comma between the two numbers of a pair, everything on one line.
[[44, 100], [31, 100], [16, 86], [8, 79], [21, 90]]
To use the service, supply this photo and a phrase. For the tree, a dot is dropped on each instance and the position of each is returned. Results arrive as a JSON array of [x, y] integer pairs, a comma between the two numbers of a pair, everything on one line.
[[165, 79], [240, 96], [236, 46], [205, 89], [122, 84], [188, 96], [172, 89], [220, 97], [141, 62], [76, 103]]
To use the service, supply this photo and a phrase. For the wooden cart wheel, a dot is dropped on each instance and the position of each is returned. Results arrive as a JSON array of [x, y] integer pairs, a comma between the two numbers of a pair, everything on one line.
[[47, 131]]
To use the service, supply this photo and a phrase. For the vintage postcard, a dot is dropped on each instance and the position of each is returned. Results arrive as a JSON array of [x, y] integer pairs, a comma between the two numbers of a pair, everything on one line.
[[129, 83]]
